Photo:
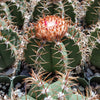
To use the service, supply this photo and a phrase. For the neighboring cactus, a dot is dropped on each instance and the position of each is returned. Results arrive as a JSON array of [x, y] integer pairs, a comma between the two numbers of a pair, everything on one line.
[[3, 23], [93, 13], [60, 89], [26, 97], [94, 37], [64, 9], [7, 53], [4, 11], [65, 88], [94, 43], [94, 82], [73, 34], [16, 14], [12, 12], [13, 37], [61, 7], [9, 43], [95, 56], [95, 79]]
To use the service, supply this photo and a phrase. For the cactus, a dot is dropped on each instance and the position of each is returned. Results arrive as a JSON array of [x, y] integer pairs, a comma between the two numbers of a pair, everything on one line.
[[95, 56], [3, 23], [95, 79], [60, 89], [50, 49], [7, 53], [13, 37], [48, 54], [93, 13], [94, 37], [60, 7], [27, 97], [13, 13], [4, 10], [16, 14], [9, 43], [95, 44]]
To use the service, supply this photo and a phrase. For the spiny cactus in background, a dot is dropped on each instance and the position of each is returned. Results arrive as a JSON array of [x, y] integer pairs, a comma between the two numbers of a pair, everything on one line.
[[9, 43], [93, 13], [13, 37], [60, 89], [11, 21], [61, 7], [95, 56], [52, 55], [94, 44], [7, 53], [15, 15]]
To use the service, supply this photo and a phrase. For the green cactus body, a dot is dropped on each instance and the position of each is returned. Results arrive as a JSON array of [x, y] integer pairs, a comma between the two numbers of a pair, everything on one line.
[[94, 43], [60, 89], [73, 33], [41, 55], [7, 53], [12, 12], [94, 37], [53, 56], [56, 87], [13, 37], [9, 43], [35, 91], [54, 53], [65, 9], [27, 97], [95, 79], [53, 91], [95, 56], [43, 90], [5, 11], [92, 14], [16, 15], [3, 23], [41, 7], [78, 97], [2, 12], [47, 7], [74, 53]]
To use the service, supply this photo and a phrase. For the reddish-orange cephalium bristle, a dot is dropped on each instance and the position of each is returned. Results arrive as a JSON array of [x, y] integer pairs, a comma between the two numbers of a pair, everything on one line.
[[51, 28]]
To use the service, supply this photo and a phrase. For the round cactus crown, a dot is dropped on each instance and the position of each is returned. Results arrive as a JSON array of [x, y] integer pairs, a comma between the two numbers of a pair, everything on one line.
[[51, 28]]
